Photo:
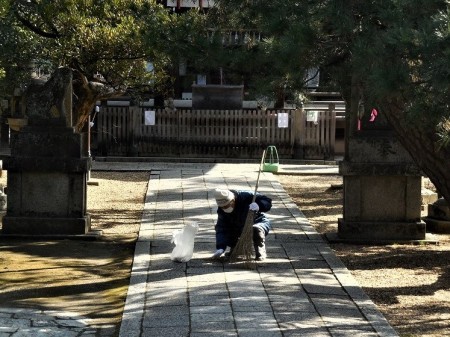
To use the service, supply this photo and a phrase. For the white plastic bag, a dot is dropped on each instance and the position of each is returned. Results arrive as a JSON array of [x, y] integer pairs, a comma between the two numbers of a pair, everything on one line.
[[184, 243]]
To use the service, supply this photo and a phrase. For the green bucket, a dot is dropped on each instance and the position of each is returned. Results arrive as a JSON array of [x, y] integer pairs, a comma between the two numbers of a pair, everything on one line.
[[271, 160]]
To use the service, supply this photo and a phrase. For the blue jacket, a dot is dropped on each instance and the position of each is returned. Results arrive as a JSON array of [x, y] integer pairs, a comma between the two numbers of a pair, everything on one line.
[[229, 226]]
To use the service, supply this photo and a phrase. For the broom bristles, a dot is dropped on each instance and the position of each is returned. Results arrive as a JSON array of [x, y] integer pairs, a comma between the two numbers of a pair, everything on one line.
[[244, 246]]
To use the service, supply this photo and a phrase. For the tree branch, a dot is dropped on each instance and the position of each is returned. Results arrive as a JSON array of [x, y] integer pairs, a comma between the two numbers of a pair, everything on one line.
[[27, 23]]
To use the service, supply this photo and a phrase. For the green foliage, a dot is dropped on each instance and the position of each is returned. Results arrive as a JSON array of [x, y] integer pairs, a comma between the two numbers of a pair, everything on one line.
[[109, 40], [398, 50], [403, 52], [292, 42]]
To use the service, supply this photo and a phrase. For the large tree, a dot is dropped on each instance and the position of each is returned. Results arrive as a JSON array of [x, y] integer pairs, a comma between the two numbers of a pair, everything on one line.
[[107, 43], [395, 53], [401, 56], [275, 57]]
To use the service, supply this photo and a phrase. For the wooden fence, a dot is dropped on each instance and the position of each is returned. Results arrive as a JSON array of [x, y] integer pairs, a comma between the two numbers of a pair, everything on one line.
[[143, 131]]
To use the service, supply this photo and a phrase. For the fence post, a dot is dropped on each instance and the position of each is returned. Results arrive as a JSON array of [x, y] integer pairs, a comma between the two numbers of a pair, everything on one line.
[[332, 131], [298, 132], [133, 113], [102, 140]]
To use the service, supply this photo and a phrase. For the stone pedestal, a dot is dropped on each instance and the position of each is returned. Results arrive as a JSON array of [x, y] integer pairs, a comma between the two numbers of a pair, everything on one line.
[[382, 202], [48, 166], [382, 185], [47, 179]]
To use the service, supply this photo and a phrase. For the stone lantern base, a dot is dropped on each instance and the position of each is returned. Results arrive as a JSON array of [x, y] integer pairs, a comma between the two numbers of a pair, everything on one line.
[[382, 203], [47, 183]]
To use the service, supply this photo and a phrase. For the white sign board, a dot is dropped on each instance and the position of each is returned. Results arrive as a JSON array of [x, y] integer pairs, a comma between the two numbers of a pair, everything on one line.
[[312, 116], [283, 120], [149, 117]]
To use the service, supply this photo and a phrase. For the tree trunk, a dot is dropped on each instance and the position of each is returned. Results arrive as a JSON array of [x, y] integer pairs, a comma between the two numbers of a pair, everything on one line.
[[420, 141], [86, 94]]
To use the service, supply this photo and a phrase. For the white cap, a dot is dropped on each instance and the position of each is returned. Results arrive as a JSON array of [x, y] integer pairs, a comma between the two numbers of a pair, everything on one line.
[[223, 197]]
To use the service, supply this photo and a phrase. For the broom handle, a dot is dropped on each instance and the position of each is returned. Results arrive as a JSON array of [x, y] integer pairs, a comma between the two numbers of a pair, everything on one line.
[[259, 172]]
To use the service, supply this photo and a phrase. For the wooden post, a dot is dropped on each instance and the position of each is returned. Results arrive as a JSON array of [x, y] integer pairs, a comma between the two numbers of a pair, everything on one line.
[[332, 131], [298, 126], [133, 113]]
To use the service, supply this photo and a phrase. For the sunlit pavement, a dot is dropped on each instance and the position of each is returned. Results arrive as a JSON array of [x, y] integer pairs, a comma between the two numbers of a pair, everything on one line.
[[302, 289]]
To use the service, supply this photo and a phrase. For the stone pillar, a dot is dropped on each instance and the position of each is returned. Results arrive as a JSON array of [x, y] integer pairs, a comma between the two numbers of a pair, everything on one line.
[[48, 167], [382, 185]]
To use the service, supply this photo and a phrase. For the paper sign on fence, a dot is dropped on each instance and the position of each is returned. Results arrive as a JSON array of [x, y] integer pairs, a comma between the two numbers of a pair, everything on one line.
[[149, 117], [312, 116], [283, 120]]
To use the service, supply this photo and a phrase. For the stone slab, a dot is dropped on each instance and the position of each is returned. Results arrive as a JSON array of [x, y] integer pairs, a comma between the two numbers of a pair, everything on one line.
[[381, 231], [437, 225], [45, 226]]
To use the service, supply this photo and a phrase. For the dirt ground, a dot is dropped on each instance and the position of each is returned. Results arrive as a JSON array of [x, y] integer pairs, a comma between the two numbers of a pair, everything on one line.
[[89, 278], [409, 283]]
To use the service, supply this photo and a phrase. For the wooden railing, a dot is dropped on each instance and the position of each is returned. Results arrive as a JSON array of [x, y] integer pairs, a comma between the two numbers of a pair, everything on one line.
[[123, 131]]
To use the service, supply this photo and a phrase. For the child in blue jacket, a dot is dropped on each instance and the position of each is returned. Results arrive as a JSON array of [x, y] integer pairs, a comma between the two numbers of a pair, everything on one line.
[[233, 207]]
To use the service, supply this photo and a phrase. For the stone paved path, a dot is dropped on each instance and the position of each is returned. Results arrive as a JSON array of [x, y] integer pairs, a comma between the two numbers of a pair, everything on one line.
[[302, 289], [17, 322]]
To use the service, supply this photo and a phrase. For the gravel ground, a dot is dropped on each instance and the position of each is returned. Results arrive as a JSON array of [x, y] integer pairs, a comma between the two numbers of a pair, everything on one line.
[[410, 284]]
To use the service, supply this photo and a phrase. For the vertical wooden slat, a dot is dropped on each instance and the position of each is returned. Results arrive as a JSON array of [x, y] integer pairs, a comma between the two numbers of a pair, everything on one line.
[[184, 125], [216, 130], [237, 127], [159, 120], [323, 127], [100, 125], [121, 129], [194, 126], [267, 122], [273, 126], [225, 126], [143, 129], [278, 135], [299, 128], [307, 129], [262, 120], [163, 123], [301, 136], [292, 131], [113, 130], [110, 128], [116, 129], [204, 129], [332, 109], [248, 123]]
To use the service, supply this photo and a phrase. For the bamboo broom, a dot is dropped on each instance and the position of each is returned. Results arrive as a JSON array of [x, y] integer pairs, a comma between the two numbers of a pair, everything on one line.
[[244, 246]]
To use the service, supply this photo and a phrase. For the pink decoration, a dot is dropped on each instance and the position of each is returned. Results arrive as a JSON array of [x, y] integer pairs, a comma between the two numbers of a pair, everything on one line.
[[373, 115]]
